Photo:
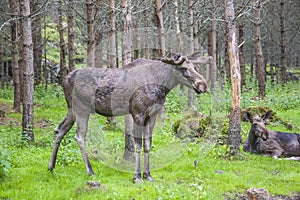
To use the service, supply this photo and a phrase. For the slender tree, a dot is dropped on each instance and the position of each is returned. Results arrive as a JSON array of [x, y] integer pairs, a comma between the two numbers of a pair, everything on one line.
[[62, 44], [159, 22], [126, 57], [234, 131], [112, 46], [71, 48], [283, 47], [37, 41], [241, 48], [2, 68], [14, 10], [213, 46], [260, 66], [28, 82], [191, 8], [91, 34]]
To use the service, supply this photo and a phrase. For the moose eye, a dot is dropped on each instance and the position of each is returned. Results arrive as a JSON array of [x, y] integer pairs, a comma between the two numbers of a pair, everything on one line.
[[183, 69]]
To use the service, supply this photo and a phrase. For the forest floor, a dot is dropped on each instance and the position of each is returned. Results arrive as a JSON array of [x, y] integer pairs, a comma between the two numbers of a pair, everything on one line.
[[201, 169]]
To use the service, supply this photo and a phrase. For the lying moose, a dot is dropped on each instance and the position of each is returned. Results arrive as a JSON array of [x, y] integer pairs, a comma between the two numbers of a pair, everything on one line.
[[139, 88], [274, 143]]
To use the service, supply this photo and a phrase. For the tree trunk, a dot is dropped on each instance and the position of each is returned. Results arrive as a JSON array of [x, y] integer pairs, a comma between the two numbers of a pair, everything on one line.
[[15, 56], [112, 48], [160, 24], [234, 132], [191, 8], [71, 48], [28, 115], [241, 49], [178, 26], [145, 38], [2, 71], [91, 35], [260, 66], [283, 77], [63, 70], [226, 57], [213, 45], [178, 32], [21, 54], [45, 66], [99, 50], [126, 56], [37, 43]]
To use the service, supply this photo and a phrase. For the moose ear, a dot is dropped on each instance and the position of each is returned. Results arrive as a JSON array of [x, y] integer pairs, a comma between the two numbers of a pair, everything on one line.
[[248, 116], [268, 115], [195, 55]]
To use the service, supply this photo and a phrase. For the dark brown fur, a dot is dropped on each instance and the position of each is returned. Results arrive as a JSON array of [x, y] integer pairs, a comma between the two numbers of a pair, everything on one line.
[[267, 142]]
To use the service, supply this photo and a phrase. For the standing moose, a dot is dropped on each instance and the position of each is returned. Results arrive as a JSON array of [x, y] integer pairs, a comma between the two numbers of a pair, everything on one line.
[[139, 88]]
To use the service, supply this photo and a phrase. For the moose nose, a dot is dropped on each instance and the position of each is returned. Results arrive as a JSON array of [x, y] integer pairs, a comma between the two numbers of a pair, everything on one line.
[[204, 87]]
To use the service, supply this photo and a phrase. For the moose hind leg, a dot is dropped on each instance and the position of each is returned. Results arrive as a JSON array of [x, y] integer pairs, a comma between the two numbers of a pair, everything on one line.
[[138, 133], [59, 132], [147, 147], [82, 127]]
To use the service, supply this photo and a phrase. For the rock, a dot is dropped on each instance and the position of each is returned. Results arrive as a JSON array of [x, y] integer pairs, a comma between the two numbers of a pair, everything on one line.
[[258, 194], [93, 184]]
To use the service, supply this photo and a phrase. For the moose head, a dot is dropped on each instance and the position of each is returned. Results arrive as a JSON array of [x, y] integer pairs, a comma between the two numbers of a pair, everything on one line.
[[188, 75], [258, 124]]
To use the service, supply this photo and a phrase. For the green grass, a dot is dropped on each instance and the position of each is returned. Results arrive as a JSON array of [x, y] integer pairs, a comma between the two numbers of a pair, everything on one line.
[[173, 163]]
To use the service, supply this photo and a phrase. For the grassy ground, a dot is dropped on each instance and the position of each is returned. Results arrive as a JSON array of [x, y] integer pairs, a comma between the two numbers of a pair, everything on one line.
[[173, 163]]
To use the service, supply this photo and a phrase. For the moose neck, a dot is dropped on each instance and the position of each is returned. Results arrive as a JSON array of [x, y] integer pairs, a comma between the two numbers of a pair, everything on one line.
[[252, 138], [168, 76], [154, 72]]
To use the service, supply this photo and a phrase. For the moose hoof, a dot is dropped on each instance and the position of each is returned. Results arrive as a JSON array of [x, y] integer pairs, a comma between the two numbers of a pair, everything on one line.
[[137, 180], [147, 177]]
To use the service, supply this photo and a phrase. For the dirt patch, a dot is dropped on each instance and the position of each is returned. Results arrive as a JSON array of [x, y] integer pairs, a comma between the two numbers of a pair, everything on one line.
[[6, 108], [44, 123]]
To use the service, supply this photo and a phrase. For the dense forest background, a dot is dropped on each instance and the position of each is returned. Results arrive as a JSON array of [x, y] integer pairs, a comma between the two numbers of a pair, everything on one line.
[[41, 41], [250, 53]]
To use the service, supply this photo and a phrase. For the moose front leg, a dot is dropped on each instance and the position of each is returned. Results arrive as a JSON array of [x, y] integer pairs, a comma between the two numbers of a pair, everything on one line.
[[59, 133], [138, 133]]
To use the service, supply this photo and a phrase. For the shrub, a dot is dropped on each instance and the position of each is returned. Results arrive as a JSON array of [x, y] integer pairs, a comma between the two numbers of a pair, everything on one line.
[[5, 161]]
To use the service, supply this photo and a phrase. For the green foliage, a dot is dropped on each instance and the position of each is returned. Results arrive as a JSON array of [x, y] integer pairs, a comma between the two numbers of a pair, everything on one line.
[[202, 169], [5, 160], [7, 93]]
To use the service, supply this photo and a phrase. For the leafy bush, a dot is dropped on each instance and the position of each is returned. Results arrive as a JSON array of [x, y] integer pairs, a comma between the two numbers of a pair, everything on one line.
[[69, 153], [5, 161]]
